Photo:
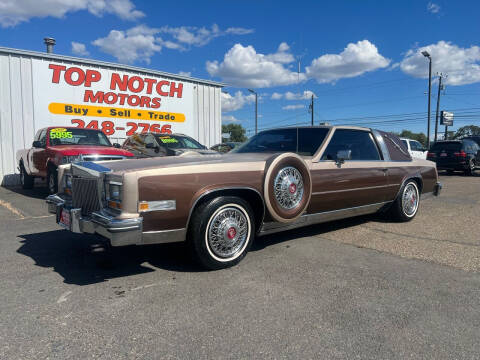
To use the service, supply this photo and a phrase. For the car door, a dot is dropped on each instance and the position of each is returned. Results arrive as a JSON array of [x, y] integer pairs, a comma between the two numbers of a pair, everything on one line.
[[358, 182], [38, 156]]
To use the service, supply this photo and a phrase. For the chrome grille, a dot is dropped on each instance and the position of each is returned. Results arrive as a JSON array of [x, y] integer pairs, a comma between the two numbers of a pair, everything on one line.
[[94, 157], [85, 195]]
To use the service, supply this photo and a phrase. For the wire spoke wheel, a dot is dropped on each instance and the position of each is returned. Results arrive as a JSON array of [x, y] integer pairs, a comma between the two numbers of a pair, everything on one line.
[[228, 232], [288, 188], [410, 199]]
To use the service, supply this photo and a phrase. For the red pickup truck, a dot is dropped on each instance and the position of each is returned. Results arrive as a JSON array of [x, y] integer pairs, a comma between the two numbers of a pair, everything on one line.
[[54, 146]]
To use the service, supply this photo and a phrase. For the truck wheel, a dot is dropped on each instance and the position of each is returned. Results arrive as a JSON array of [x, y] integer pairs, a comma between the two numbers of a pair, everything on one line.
[[221, 232], [52, 180], [405, 206], [287, 187], [25, 179]]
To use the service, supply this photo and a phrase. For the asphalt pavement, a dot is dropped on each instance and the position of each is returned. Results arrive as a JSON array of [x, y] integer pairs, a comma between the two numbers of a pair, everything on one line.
[[362, 288]]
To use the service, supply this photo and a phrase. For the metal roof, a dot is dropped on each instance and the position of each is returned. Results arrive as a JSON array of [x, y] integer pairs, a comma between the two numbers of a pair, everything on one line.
[[115, 66]]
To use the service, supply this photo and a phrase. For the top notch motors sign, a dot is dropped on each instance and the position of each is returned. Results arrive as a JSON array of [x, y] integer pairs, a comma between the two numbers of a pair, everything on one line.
[[118, 103]]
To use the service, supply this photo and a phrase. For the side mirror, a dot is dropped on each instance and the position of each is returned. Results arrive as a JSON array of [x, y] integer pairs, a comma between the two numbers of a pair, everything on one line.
[[117, 145], [343, 155], [37, 144]]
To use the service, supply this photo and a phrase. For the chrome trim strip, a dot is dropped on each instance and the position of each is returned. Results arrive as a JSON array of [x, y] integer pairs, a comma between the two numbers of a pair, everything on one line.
[[355, 189], [383, 147], [164, 236], [310, 219]]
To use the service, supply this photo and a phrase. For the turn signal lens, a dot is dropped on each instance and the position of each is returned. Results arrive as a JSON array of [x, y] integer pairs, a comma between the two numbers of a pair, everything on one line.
[[431, 154], [143, 206], [460, 154]]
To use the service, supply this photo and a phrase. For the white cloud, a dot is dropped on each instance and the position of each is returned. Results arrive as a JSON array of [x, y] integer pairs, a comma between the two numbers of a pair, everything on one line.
[[293, 107], [185, 73], [282, 56], [13, 12], [461, 64], [244, 67], [141, 42], [138, 43], [433, 8], [79, 49], [307, 94], [236, 102], [230, 119], [200, 36], [354, 60]]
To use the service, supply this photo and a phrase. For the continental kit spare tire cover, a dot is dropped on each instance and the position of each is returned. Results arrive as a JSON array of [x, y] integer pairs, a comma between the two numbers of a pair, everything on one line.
[[287, 187]]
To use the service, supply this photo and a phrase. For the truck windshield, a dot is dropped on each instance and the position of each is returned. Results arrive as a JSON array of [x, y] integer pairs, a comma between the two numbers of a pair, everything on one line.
[[303, 141], [76, 136], [178, 142]]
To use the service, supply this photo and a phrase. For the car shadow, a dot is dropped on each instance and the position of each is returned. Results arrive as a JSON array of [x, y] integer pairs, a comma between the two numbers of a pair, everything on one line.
[[312, 230], [38, 192], [83, 259], [88, 259]]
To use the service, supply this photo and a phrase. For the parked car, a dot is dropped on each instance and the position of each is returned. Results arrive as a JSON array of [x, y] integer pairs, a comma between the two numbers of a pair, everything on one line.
[[455, 155], [415, 148], [280, 179], [225, 147], [154, 144], [54, 146]]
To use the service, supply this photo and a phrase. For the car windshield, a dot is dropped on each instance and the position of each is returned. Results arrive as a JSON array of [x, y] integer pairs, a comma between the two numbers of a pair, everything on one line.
[[303, 141], [179, 142], [76, 136], [447, 145]]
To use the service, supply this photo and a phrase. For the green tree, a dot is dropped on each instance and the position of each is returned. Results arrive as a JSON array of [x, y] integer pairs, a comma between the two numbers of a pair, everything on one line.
[[420, 137], [236, 131], [468, 130]]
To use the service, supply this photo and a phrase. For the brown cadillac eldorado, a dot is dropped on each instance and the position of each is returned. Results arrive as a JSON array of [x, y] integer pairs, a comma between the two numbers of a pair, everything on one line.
[[280, 179]]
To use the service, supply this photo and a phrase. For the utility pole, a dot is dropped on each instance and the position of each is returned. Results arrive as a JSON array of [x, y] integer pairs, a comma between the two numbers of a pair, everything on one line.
[[256, 110], [427, 55], [311, 108], [440, 87]]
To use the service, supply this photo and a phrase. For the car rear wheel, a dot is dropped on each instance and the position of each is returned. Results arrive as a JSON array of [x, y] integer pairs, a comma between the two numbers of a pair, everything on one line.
[[405, 206], [25, 179], [471, 168], [221, 232]]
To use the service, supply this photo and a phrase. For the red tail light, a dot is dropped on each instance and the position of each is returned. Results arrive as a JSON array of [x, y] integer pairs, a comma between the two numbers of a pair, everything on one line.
[[431, 154], [460, 154]]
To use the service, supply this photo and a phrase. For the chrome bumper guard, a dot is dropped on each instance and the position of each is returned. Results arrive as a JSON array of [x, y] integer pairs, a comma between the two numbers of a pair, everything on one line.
[[438, 189], [120, 232]]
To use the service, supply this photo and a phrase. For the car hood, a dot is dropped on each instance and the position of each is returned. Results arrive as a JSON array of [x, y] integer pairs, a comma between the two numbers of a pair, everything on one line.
[[89, 149], [122, 166]]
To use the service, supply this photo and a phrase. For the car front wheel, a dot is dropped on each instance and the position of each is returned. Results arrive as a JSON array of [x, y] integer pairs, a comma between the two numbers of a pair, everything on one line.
[[221, 232]]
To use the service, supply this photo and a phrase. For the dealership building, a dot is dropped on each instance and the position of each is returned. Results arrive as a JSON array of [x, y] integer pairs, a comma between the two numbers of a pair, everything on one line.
[[45, 89]]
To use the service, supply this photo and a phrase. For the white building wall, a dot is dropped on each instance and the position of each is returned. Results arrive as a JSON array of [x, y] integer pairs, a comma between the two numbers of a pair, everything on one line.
[[18, 124]]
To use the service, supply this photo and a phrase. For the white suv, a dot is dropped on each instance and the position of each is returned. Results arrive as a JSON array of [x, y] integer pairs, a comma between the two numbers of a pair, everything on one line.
[[415, 149]]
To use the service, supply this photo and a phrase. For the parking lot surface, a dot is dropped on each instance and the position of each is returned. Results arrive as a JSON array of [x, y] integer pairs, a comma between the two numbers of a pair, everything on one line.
[[361, 288]]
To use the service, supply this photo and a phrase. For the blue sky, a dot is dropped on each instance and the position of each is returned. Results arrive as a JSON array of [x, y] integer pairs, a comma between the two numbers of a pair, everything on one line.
[[361, 59]]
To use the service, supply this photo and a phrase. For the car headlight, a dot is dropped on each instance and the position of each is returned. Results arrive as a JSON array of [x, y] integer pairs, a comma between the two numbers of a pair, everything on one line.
[[71, 158], [114, 194]]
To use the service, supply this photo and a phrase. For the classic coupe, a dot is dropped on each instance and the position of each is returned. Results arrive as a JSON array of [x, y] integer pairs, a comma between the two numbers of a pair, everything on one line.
[[280, 179]]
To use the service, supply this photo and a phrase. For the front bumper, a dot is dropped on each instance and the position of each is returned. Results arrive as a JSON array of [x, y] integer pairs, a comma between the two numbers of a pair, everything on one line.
[[120, 232]]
